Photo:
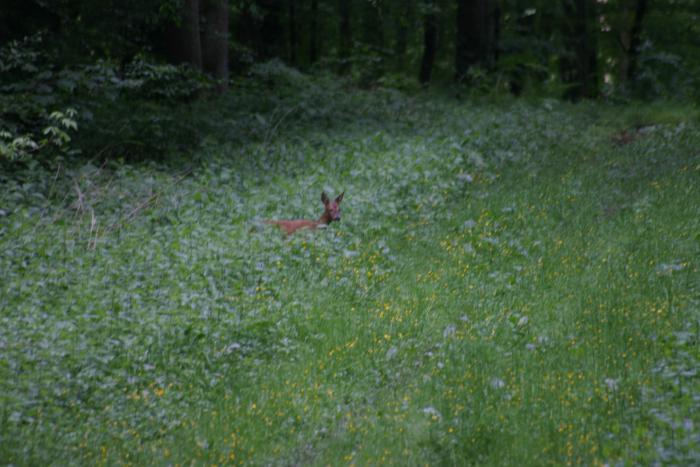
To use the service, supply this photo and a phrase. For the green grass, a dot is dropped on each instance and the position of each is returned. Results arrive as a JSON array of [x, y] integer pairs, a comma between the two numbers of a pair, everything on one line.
[[507, 286]]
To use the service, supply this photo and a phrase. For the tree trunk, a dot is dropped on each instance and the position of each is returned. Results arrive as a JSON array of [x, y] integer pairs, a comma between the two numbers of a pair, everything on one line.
[[345, 36], [293, 39], [314, 39], [624, 39], [525, 29], [246, 31], [373, 41], [430, 38], [183, 42], [477, 30], [271, 41], [373, 29], [404, 20], [580, 69], [215, 41], [635, 38]]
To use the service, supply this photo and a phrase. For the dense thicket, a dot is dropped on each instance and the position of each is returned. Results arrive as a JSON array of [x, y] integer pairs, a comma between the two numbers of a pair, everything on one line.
[[88, 64]]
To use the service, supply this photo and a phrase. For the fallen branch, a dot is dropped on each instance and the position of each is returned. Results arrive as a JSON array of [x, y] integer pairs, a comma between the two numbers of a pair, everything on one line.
[[143, 205]]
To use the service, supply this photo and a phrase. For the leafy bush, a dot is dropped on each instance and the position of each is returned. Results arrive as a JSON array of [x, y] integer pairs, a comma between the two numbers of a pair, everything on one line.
[[29, 121], [141, 109], [55, 135], [663, 75]]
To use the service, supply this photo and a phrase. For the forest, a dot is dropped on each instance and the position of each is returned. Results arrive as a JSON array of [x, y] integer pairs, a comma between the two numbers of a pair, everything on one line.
[[350, 232]]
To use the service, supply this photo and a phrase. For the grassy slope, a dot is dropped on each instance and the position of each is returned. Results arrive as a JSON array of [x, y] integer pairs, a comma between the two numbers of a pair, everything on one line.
[[537, 314]]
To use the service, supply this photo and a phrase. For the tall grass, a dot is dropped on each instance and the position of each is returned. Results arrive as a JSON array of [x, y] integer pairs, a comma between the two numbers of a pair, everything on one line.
[[508, 285]]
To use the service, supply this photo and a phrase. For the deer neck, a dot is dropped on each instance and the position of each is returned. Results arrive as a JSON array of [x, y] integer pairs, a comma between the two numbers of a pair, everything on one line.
[[324, 219]]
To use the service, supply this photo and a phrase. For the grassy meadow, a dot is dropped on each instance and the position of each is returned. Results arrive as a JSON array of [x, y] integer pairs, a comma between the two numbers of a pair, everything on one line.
[[511, 283]]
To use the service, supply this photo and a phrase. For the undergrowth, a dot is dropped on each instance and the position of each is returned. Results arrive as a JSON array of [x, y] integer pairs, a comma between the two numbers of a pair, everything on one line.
[[510, 284]]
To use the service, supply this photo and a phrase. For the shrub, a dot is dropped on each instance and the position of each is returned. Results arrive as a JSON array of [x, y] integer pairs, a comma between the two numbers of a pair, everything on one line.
[[141, 108]]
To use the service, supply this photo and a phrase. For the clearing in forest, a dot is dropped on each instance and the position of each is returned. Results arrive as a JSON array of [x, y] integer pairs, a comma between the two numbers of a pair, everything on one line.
[[508, 284]]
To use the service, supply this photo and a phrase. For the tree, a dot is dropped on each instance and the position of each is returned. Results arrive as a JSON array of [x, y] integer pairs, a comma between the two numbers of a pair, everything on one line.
[[19, 17], [631, 42], [579, 66], [314, 44], [214, 40], [205, 47], [183, 38], [345, 35], [404, 19], [528, 40], [522, 44], [430, 40], [477, 27], [372, 25], [293, 36], [271, 39]]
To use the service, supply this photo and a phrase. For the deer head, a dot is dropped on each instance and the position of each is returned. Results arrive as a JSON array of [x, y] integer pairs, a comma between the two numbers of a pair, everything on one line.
[[332, 208]]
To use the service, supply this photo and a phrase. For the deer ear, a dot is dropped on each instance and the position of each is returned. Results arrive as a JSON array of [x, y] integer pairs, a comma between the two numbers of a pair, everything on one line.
[[340, 197], [324, 198]]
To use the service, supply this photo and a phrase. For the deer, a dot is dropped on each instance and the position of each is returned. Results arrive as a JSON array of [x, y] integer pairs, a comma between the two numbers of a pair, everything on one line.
[[331, 213]]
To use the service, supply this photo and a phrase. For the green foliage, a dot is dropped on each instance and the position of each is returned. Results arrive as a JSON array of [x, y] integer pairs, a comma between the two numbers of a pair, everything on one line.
[[101, 97], [381, 45], [640, 115], [54, 135], [163, 83], [670, 64], [491, 296], [96, 29], [162, 95], [28, 126], [663, 75]]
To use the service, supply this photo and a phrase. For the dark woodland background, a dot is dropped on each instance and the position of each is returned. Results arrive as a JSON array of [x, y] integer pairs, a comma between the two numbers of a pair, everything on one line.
[[69, 64]]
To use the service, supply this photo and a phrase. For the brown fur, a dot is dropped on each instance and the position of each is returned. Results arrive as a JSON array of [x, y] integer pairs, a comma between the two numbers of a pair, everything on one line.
[[331, 213]]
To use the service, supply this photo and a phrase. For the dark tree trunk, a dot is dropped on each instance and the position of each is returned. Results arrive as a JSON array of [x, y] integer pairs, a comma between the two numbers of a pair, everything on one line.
[[314, 45], [430, 38], [246, 31], [404, 19], [215, 41], [525, 23], [183, 42], [525, 28], [494, 45], [271, 41], [477, 30], [373, 41], [345, 36], [624, 39], [373, 28], [580, 68], [293, 39], [635, 38]]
